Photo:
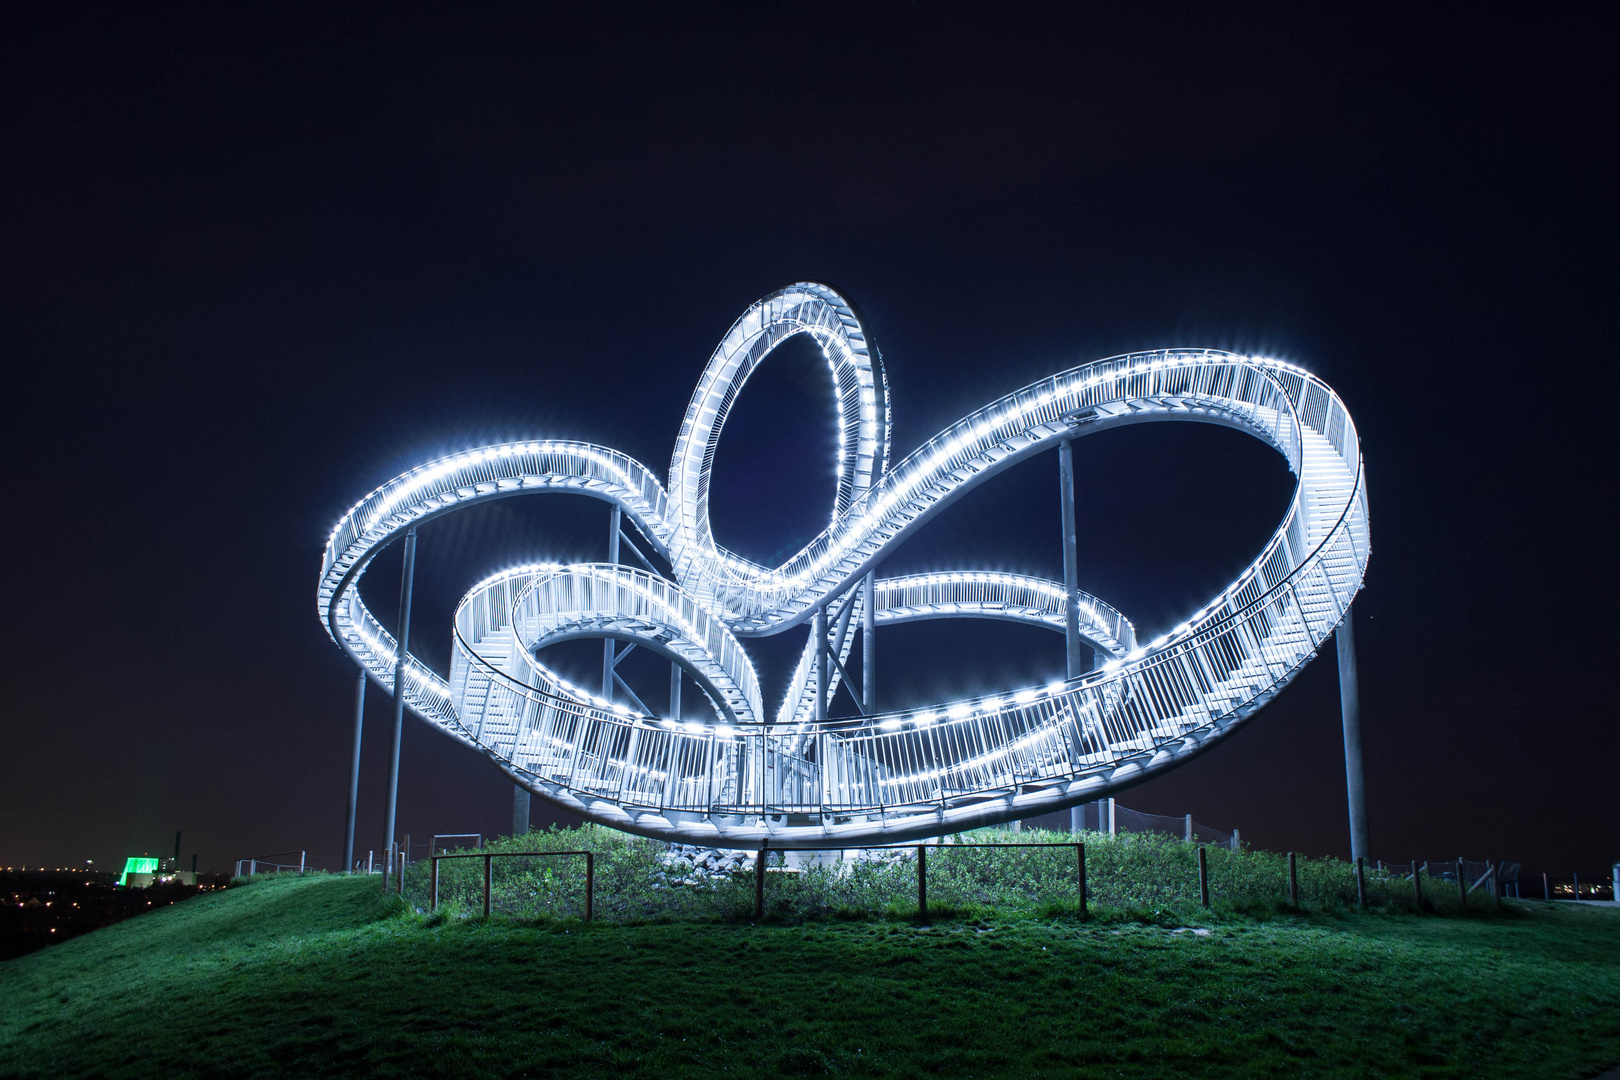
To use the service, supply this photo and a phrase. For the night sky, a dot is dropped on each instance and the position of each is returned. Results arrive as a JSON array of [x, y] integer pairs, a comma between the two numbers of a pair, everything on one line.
[[253, 269]]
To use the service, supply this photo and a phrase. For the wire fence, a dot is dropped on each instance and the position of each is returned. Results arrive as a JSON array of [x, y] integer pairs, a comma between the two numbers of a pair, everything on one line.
[[1148, 874], [1133, 861]]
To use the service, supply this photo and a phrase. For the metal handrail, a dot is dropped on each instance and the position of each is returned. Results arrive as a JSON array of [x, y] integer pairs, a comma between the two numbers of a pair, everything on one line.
[[490, 856], [922, 866]]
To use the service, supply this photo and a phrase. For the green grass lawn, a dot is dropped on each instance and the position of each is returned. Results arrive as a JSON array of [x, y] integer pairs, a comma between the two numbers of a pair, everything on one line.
[[317, 976]]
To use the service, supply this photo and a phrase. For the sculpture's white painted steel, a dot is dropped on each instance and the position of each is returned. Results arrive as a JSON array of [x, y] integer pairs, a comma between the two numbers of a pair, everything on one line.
[[736, 777]]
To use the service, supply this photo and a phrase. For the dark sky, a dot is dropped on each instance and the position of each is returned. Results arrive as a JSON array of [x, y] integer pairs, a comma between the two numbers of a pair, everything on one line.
[[252, 269]]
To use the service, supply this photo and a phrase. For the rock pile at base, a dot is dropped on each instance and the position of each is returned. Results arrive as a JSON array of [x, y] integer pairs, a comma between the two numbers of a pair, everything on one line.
[[686, 864]]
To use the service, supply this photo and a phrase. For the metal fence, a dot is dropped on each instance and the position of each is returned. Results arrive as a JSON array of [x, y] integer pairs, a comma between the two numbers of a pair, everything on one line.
[[603, 875], [1107, 816]]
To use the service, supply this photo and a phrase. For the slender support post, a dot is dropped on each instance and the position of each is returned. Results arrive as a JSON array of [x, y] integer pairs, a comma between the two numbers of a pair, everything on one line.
[[1113, 822], [819, 672], [614, 523], [1080, 876], [922, 882], [433, 904], [301, 855], [1237, 840], [1546, 888], [253, 867], [354, 772], [1462, 885], [759, 880], [401, 652], [399, 879], [520, 810], [1189, 829], [1203, 877], [848, 683], [869, 646], [1417, 885], [590, 885], [674, 690], [1361, 882], [1344, 639], [1077, 819], [635, 699], [1071, 571], [1573, 876], [1293, 882], [489, 881]]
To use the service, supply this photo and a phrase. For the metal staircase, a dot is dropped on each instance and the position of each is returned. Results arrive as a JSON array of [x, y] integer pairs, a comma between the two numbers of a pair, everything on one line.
[[740, 777]]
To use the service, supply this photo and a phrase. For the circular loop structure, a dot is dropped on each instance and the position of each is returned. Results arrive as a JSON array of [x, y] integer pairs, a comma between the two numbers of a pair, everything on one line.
[[739, 777]]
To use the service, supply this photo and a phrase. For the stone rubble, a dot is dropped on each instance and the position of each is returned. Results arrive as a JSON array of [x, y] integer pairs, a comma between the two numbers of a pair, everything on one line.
[[685, 864]]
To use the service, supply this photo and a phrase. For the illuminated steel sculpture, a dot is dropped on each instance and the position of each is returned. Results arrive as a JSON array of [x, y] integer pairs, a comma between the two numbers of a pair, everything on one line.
[[794, 777]]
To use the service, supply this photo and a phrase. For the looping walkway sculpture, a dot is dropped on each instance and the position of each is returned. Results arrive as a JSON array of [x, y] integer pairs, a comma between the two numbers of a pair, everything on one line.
[[796, 778]]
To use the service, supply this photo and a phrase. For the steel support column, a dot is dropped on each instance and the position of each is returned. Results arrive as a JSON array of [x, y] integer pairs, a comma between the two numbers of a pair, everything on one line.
[[407, 575], [615, 523], [819, 629], [1071, 583], [520, 810], [674, 690], [1350, 709], [354, 773], [869, 646], [1071, 570]]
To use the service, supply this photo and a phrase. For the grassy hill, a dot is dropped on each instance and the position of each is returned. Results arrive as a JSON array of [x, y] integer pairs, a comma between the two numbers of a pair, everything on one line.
[[318, 976]]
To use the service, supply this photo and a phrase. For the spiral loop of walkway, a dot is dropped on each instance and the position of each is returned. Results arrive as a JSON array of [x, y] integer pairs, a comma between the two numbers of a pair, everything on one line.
[[739, 777]]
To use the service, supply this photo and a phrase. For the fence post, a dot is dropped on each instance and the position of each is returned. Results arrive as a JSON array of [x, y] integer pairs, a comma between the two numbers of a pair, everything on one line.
[[1113, 826], [1203, 878], [1293, 882], [1546, 888], [435, 901], [301, 855], [1237, 840], [401, 883], [759, 880], [1080, 875], [590, 884], [489, 881], [253, 867], [1188, 837], [1361, 882], [1577, 879], [1462, 886], [922, 881], [1417, 885]]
